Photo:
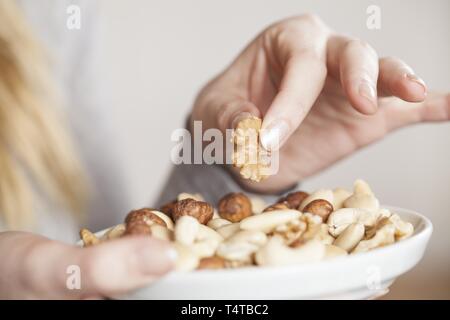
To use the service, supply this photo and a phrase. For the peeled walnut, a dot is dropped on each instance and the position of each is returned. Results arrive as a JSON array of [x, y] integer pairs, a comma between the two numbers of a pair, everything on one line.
[[146, 215], [200, 210], [319, 207], [277, 206], [294, 199], [214, 262], [248, 154], [235, 207]]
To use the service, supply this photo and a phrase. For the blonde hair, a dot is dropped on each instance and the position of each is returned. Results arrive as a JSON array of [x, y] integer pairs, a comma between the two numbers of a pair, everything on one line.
[[36, 152]]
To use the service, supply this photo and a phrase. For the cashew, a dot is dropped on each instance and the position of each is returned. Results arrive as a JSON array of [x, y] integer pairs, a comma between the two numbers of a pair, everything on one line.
[[403, 229], [186, 230], [186, 260], [217, 223], [165, 218], [268, 221], [241, 245], [350, 237], [361, 187], [362, 197], [205, 233], [276, 253], [342, 218], [362, 201], [324, 194], [236, 251], [258, 205], [339, 196], [258, 238], [205, 248], [161, 232], [114, 232], [384, 236], [228, 230], [332, 251]]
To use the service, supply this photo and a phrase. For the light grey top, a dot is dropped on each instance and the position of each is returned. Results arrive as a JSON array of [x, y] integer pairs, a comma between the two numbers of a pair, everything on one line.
[[74, 55]]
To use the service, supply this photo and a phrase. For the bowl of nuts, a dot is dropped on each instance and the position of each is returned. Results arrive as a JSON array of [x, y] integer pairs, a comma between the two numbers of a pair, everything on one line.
[[329, 244]]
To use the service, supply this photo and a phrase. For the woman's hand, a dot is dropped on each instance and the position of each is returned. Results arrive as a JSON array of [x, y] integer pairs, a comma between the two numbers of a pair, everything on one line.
[[34, 267], [327, 95]]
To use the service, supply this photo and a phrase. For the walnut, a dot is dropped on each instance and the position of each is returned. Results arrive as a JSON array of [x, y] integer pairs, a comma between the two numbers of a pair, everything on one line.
[[319, 207], [235, 207], [248, 154], [277, 206], [294, 199], [214, 262], [200, 210]]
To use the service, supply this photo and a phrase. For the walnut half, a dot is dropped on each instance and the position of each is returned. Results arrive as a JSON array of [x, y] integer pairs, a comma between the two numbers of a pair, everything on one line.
[[248, 154]]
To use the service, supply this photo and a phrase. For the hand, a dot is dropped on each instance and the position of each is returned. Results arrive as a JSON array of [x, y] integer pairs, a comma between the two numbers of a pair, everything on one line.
[[326, 94], [34, 267]]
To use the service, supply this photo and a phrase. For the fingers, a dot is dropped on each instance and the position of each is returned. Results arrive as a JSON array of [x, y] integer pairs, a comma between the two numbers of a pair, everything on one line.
[[38, 267], [233, 111], [118, 266], [302, 82], [355, 63], [398, 113], [398, 79]]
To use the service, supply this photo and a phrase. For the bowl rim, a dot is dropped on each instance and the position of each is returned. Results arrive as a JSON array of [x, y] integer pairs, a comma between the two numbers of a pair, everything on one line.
[[422, 229], [425, 229]]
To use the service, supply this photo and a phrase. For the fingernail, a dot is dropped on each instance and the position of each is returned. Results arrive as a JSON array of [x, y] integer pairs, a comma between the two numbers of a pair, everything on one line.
[[274, 135], [239, 117], [157, 259], [418, 81], [367, 90]]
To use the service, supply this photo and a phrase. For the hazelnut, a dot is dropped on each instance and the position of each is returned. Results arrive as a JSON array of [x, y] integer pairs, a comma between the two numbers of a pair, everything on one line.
[[212, 263], [168, 208], [277, 206], [200, 210], [146, 215], [235, 207], [138, 227], [319, 207], [294, 199]]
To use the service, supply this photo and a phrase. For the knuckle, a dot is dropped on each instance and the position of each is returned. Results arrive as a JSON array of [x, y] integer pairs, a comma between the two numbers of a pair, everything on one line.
[[358, 44], [311, 18]]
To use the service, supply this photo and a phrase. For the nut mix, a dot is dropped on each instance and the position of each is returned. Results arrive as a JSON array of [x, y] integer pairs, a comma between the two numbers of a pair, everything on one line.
[[299, 228]]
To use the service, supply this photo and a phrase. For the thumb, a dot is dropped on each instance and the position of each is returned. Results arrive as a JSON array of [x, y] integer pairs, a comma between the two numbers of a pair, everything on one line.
[[229, 114], [118, 266], [303, 79]]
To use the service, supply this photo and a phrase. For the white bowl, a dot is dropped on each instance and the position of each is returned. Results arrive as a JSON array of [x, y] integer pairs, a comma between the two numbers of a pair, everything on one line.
[[360, 276]]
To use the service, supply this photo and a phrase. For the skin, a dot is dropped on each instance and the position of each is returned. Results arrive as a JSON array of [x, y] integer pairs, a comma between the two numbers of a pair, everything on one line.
[[301, 73], [297, 71]]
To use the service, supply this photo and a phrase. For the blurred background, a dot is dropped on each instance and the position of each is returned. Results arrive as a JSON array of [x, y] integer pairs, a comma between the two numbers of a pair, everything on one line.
[[158, 54]]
